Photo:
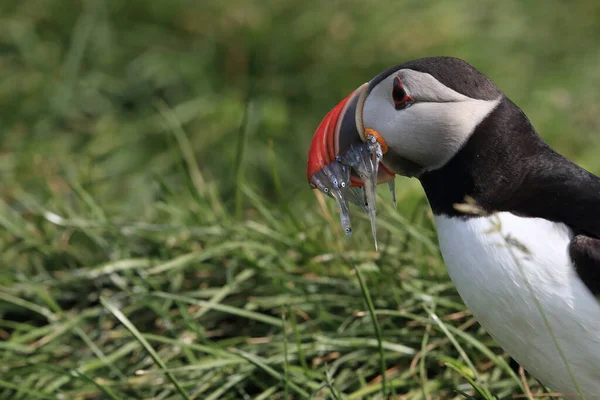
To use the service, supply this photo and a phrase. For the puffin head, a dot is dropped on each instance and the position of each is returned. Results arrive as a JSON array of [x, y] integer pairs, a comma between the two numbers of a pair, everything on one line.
[[422, 112]]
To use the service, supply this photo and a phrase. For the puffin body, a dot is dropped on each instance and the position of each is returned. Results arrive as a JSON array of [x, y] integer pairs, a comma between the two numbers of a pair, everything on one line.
[[501, 285], [518, 224]]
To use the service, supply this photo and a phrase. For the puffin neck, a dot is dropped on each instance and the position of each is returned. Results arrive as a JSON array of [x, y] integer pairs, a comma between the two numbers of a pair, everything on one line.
[[506, 166]]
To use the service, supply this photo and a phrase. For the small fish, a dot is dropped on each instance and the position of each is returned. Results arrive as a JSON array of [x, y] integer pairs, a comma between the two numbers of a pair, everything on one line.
[[364, 159], [334, 181]]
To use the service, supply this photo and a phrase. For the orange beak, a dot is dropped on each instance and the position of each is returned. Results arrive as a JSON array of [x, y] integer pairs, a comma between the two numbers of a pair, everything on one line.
[[341, 127]]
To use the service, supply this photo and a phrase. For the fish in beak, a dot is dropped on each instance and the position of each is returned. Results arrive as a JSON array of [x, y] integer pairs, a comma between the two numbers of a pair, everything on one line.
[[341, 128], [344, 159]]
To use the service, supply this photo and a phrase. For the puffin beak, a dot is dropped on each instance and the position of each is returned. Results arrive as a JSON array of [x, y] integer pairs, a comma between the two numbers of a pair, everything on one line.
[[340, 128]]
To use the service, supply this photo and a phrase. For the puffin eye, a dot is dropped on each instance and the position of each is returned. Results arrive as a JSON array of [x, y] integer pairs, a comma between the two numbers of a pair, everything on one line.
[[401, 99]]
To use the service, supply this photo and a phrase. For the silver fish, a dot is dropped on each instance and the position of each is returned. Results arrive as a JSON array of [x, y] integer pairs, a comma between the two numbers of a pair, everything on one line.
[[334, 180], [364, 159]]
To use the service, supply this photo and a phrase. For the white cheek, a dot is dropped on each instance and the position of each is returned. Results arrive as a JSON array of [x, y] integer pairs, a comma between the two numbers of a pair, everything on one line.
[[427, 133]]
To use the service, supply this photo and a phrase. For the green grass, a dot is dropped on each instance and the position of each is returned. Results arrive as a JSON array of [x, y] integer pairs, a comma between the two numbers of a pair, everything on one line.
[[158, 239]]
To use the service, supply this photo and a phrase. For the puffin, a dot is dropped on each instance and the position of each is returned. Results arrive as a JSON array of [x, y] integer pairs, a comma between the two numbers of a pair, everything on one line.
[[518, 224]]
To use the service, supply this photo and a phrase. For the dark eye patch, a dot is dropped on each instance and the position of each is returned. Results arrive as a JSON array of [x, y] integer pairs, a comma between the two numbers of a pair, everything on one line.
[[401, 99]]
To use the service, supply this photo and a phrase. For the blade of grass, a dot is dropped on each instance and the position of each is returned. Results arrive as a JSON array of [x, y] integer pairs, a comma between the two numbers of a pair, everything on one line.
[[200, 256], [239, 158], [199, 366], [87, 198], [267, 394], [278, 187], [286, 373], [269, 370], [422, 369], [330, 384], [226, 290], [95, 364], [213, 350], [9, 298], [231, 382], [103, 388], [453, 340], [223, 308], [140, 338], [261, 205], [461, 371], [31, 392], [298, 340], [367, 342], [185, 146], [367, 297]]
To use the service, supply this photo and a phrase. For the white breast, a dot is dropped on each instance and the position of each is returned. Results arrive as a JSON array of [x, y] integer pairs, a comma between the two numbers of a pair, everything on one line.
[[490, 276]]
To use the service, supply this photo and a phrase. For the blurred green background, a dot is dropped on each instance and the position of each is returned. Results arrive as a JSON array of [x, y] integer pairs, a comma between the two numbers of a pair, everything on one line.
[[158, 148]]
